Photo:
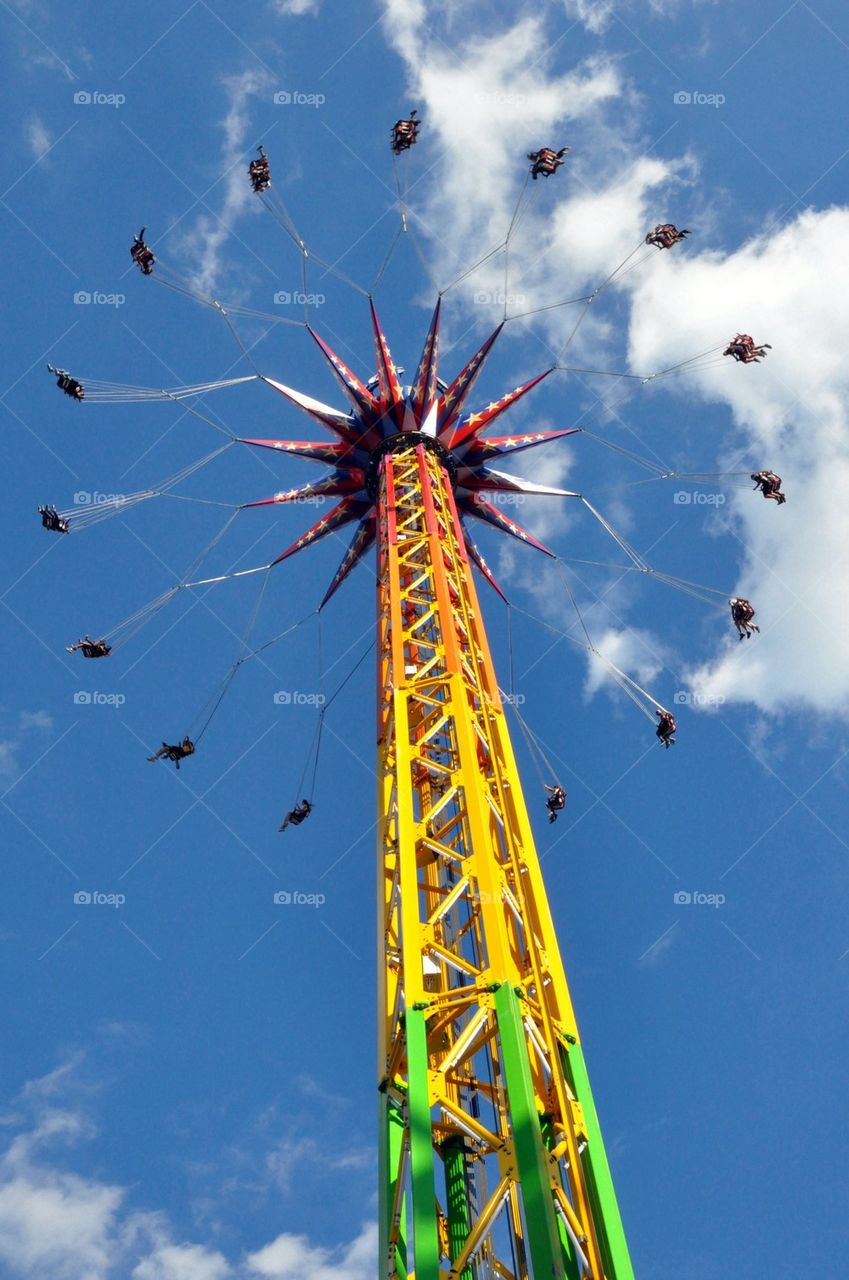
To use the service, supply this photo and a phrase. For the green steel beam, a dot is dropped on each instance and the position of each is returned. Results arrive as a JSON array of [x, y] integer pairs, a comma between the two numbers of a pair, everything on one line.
[[611, 1233], [425, 1229], [390, 1144], [573, 1267], [531, 1160]]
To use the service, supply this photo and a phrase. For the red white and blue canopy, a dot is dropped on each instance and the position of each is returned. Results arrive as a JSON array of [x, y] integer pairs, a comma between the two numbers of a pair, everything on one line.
[[385, 409]]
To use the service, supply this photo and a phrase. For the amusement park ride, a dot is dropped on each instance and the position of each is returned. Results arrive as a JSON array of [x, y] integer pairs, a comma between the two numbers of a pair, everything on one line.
[[492, 1162]]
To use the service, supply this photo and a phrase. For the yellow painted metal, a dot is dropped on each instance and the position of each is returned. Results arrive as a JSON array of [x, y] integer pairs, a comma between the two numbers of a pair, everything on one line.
[[462, 903]]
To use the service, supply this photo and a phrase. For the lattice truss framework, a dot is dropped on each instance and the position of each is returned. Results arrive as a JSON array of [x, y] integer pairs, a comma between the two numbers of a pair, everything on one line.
[[492, 1160]]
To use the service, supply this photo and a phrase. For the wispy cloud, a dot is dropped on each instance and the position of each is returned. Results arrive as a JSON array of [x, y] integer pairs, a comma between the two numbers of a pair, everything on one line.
[[39, 137], [56, 1224], [28, 722], [296, 8], [205, 239]]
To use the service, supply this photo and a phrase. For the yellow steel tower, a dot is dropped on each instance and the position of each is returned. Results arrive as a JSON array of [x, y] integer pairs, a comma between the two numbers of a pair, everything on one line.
[[492, 1160]]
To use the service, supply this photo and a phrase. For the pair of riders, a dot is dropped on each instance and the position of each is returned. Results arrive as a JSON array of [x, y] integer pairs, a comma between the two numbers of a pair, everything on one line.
[[745, 350], [90, 648], [666, 728], [51, 520], [259, 172], [665, 235], [405, 133], [742, 614], [546, 161], [71, 386], [770, 485], [142, 254]]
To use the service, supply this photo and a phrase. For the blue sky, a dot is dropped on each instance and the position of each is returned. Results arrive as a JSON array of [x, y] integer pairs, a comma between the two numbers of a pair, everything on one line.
[[189, 1076]]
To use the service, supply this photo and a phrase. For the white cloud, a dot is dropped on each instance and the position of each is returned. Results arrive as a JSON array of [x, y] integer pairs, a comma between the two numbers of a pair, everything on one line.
[[482, 112], [790, 415], [57, 1225], [292, 1257], [8, 759], [183, 1262], [296, 8], [35, 720], [594, 15], [492, 97], [597, 14], [205, 240], [10, 746], [39, 138], [633, 651]]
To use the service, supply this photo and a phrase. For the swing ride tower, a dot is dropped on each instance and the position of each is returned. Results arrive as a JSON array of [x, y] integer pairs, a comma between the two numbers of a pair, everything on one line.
[[492, 1161], [491, 1157]]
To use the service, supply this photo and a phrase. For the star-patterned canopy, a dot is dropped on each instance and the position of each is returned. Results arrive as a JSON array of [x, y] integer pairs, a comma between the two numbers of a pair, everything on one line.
[[383, 410]]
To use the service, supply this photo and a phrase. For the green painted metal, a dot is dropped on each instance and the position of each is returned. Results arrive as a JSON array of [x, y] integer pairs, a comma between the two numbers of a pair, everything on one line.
[[384, 1164], [531, 1161], [456, 1198], [573, 1267], [611, 1233], [391, 1141], [425, 1230]]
